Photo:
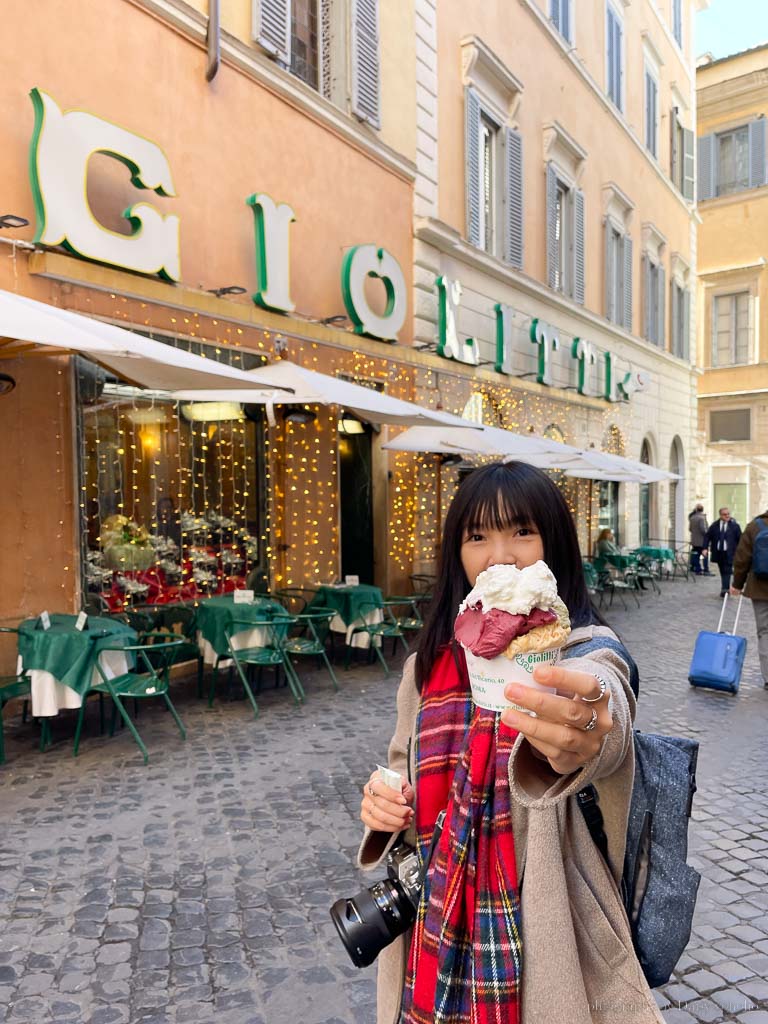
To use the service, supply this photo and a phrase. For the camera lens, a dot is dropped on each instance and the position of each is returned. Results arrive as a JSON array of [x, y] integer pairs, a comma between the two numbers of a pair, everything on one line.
[[371, 920]]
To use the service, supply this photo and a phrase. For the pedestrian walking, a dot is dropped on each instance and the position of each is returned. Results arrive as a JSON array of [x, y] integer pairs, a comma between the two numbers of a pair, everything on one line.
[[697, 527], [482, 947], [753, 586], [723, 538]]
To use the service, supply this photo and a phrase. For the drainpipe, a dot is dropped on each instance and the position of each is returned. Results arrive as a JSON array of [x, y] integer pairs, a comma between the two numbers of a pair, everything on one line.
[[214, 39]]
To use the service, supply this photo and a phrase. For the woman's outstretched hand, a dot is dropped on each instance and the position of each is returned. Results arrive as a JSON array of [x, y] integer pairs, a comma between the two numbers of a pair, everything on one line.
[[557, 727], [383, 809]]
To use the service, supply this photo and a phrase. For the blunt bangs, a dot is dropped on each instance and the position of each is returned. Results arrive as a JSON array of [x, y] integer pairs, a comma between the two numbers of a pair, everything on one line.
[[498, 502]]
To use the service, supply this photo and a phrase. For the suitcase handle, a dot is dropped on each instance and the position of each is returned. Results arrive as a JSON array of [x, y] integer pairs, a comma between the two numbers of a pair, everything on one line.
[[722, 614]]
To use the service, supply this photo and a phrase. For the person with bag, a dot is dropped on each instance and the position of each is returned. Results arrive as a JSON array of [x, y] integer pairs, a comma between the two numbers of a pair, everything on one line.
[[750, 577], [697, 527], [723, 538], [520, 916]]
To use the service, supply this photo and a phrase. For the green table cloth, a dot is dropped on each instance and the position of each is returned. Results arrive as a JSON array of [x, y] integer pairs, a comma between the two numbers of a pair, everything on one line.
[[619, 561], [660, 554], [214, 614], [65, 657], [348, 602]]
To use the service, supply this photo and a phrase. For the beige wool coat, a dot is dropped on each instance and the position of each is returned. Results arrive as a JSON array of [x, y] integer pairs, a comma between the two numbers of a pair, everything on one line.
[[579, 966]]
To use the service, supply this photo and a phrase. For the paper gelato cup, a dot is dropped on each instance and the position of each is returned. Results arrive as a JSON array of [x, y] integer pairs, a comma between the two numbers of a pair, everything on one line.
[[489, 676]]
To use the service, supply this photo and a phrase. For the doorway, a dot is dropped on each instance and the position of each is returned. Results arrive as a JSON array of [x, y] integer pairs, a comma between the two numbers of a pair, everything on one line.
[[356, 504]]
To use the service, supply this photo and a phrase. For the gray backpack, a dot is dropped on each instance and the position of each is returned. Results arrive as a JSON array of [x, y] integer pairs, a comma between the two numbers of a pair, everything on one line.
[[658, 886]]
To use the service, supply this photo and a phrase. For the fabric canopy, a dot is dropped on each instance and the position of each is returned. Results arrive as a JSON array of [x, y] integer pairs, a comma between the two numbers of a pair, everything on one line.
[[300, 386], [538, 451], [139, 360]]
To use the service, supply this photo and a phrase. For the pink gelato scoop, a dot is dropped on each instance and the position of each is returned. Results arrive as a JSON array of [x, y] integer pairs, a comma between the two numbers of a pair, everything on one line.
[[487, 634]]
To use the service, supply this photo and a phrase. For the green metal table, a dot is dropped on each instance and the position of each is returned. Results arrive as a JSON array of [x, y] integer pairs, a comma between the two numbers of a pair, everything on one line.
[[61, 661], [354, 606]]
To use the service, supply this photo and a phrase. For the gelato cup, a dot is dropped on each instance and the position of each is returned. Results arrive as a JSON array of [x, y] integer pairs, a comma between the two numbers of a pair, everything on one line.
[[489, 676]]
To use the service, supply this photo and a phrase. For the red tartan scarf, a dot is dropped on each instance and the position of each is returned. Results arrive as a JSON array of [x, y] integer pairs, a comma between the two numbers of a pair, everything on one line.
[[465, 959]]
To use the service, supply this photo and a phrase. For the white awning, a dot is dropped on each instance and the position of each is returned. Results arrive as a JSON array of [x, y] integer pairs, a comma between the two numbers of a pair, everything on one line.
[[308, 387], [139, 360], [538, 451]]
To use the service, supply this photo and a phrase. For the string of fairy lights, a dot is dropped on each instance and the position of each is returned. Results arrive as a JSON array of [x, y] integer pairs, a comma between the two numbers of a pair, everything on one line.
[[149, 453]]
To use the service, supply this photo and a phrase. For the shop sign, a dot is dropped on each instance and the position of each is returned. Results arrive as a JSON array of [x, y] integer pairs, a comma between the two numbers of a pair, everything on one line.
[[610, 384], [62, 146]]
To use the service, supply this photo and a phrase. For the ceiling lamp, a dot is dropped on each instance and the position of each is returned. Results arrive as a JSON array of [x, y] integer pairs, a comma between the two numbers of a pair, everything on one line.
[[210, 412], [350, 425]]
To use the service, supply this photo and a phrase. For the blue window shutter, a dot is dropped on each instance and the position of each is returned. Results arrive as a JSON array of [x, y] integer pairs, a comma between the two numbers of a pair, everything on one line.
[[707, 150], [514, 191], [627, 284], [677, 341], [661, 327], [688, 169], [365, 61], [565, 19], [647, 306], [611, 313], [686, 345], [472, 164], [553, 249], [578, 246], [272, 27], [757, 153]]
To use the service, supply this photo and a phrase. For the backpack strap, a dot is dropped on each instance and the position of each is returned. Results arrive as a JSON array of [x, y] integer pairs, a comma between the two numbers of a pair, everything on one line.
[[589, 802]]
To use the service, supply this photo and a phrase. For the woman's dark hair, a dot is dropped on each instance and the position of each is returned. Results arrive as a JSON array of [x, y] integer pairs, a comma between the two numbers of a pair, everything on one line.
[[496, 497]]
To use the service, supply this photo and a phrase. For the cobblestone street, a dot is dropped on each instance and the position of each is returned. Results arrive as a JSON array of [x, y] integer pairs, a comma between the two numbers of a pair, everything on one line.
[[196, 889]]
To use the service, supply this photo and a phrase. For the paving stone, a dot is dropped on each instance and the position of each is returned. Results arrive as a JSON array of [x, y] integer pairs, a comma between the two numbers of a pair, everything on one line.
[[732, 1000]]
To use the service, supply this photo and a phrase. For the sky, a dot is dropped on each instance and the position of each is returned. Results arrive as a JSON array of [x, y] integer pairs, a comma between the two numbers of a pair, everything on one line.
[[729, 26]]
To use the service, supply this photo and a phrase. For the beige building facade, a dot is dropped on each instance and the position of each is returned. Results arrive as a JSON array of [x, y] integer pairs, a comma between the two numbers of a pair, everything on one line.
[[733, 283], [554, 208]]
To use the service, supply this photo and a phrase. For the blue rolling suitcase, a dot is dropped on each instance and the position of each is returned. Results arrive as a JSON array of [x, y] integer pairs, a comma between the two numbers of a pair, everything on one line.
[[718, 658]]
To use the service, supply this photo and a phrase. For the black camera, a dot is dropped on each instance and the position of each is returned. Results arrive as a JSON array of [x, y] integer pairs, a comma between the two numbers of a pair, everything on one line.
[[375, 917]]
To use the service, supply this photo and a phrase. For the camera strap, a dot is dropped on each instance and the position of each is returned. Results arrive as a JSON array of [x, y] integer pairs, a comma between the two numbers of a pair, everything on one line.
[[438, 831]]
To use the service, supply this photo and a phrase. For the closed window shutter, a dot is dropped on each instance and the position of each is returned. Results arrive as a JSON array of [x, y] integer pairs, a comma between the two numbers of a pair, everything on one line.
[[674, 305], [675, 155], [661, 327], [472, 164], [688, 167], [514, 190], [707, 167], [757, 153], [627, 284], [686, 345], [272, 27], [365, 61], [565, 18], [610, 286], [578, 246], [553, 249], [647, 306]]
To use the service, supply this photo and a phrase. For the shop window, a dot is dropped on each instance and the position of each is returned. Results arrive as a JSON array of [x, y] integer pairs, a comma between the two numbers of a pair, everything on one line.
[[173, 494], [730, 425], [731, 331]]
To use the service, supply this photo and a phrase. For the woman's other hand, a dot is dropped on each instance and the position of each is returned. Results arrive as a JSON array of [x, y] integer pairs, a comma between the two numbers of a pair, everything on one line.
[[383, 809], [557, 728]]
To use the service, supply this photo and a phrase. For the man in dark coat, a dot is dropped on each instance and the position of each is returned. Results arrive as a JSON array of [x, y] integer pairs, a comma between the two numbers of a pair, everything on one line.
[[756, 589], [723, 538], [697, 525]]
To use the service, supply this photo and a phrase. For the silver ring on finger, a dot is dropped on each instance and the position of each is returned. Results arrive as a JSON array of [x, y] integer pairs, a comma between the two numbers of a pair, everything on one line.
[[592, 722], [603, 690], [371, 793]]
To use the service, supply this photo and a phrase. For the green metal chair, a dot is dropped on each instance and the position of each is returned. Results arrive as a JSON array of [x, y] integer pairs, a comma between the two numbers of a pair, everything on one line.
[[271, 653], [386, 628], [154, 656], [11, 687], [406, 611], [295, 599], [313, 631]]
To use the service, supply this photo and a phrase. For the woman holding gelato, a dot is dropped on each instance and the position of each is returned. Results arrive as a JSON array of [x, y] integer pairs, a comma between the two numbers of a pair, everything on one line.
[[520, 918]]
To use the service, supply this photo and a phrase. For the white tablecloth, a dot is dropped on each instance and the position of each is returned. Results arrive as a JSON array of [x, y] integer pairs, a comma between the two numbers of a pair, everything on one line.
[[257, 637], [49, 696], [358, 639]]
